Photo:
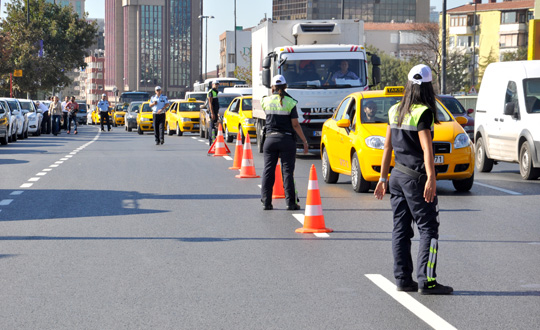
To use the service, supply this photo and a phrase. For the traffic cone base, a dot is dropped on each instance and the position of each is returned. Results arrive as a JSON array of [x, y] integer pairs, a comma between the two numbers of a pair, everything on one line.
[[238, 153], [248, 168], [313, 216]]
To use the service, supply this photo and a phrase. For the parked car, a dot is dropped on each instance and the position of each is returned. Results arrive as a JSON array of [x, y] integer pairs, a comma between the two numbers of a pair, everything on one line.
[[130, 120], [145, 118], [225, 100], [22, 120], [13, 122], [82, 113], [34, 116], [352, 144], [508, 117], [457, 110], [238, 118], [4, 125], [183, 116]]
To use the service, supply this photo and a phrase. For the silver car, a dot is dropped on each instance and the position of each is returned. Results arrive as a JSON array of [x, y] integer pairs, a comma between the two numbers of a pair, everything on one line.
[[13, 120], [130, 119], [35, 117]]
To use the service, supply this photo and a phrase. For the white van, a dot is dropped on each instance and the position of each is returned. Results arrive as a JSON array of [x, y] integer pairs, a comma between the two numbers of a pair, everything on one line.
[[507, 121]]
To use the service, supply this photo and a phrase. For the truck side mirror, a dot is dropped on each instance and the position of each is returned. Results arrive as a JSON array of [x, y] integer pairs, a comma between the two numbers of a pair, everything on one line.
[[266, 75], [509, 108], [375, 60], [376, 70]]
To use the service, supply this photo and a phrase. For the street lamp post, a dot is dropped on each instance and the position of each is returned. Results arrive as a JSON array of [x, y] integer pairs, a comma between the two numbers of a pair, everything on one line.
[[443, 49], [206, 45], [473, 78], [235, 63]]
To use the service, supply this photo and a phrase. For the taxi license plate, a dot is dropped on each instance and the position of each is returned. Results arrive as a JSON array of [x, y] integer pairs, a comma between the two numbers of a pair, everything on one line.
[[195, 126], [439, 159], [317, 133]]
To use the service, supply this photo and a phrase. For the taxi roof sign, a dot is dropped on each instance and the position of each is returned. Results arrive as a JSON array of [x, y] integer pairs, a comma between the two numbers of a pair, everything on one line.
[[192, 99], [394, 90]]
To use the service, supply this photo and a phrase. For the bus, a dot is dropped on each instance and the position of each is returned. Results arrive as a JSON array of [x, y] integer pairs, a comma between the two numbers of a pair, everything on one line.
[[223, 83], [128, 97]]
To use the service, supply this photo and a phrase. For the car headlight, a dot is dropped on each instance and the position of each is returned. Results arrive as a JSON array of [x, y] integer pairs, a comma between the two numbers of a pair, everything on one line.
[[185, 120], [375, 142], [462, 140], [146, 119], [249, 121]]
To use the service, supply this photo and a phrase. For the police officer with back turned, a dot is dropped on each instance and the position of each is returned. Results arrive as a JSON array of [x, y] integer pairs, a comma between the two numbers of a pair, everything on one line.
[[280, 142], [213, 109], [413, 183]]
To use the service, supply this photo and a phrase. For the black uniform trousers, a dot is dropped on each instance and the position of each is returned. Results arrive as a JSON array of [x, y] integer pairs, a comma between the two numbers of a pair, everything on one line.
[[408, 205], [65, 117], [159, 127], [46, 123], [279, 146], [104, 115]]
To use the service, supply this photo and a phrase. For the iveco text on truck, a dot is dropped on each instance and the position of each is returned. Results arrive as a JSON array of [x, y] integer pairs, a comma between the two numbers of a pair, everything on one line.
[[322, 61]]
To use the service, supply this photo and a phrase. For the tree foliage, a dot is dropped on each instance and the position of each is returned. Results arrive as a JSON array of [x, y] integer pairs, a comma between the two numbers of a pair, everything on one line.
[[518, 55], [65, 36], [244, 73], [393, 70]]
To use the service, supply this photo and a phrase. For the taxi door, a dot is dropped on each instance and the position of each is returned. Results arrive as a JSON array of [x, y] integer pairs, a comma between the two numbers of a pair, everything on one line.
[[348, 135], [232, 118], [170, 116], [335, 136]]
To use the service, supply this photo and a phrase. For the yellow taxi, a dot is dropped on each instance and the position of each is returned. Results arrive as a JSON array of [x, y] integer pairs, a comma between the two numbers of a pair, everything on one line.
[[94, 117], [119, 114], [183, 116], [353, 139], [145, 119], [238, 117]]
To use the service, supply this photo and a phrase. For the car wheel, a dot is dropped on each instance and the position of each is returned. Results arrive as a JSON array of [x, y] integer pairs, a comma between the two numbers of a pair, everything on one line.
[[201, 130], [139, 130], [169, 132], [242, 135], [328, 175], [228, 137], [178, 130], [4, 140], [526, 169], [483, 163], [463, 185], [358, 182]]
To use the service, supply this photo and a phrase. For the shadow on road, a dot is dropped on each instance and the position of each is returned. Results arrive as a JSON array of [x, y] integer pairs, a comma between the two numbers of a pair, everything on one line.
[[498, 293]]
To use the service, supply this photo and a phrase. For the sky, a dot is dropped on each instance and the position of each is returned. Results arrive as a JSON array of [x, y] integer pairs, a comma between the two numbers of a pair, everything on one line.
[[248, 15]]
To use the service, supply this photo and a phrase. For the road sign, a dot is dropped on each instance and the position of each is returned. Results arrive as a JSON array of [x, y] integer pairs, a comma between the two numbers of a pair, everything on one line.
[[472, 90], [17, 73]]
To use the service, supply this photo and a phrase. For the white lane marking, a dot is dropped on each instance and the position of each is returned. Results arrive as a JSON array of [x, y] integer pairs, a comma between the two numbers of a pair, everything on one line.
[[33, 179], [259, 185], [497, 188], [227, 157], [16, 192], [41, 173], [68, 156], [73, 153], [26, 185], [54, 165], [46, 169], [6, 202], [194, 138], [201, 140], [64, 159], [59, 162], [424, 313]]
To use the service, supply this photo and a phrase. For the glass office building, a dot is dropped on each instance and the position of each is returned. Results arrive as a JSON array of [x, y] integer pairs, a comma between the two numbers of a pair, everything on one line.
[[152, 43], [78, 5], [366, 10]]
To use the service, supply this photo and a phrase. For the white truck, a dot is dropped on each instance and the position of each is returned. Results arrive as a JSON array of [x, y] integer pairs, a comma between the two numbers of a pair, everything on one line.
[[322, 61]]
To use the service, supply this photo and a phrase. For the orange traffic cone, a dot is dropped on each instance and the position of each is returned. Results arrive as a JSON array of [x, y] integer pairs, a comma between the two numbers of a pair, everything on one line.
[[219, 148], [248, 168], [238, 153], [313, 217], [278, 192]]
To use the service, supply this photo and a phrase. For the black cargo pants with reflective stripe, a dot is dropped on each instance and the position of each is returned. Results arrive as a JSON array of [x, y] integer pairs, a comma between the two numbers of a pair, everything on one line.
[[284, 147], [408, 205]]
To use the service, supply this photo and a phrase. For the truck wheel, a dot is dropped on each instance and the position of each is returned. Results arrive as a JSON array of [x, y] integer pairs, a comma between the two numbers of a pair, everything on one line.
[[228, 137], [483, 163], [358, 182], [526, 169], [328, 175], [463, 185], [260, 138]]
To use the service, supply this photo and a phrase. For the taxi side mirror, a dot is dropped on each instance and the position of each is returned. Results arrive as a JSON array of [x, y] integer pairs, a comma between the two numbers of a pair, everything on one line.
[[461, 120], [173, 111], [343, 123]]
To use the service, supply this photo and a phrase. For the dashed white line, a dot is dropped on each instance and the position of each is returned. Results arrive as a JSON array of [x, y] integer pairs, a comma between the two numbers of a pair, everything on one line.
[[33, 179], [68, 156], [41, 173], [26, 185], [6, 202], [228, 157], [201, 140], [497, 188], [59, 162], [16, 192], [64, 159], [194, 138], [424, 313], [54, 165], [46, 170]]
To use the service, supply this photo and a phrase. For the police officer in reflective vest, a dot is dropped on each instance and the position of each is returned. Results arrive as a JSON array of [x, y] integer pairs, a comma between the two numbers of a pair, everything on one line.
[[280, 142], [213, 110], [413, 183]]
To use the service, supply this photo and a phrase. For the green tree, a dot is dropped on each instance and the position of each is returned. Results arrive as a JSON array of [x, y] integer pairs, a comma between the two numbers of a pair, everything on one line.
[[393, 70], [518, 55], [244, 73], [458, 75], [65, 37]]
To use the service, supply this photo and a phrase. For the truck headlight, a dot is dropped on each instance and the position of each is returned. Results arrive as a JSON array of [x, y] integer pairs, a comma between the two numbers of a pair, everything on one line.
[[462, 140], [249, 121], [375, 142]]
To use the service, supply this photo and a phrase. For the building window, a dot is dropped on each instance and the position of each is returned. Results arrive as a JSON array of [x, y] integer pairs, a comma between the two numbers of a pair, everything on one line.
[[151, 44], [509, 17], [180, 43], [508, 40], [463, 41], [458, 20], [231, 58]]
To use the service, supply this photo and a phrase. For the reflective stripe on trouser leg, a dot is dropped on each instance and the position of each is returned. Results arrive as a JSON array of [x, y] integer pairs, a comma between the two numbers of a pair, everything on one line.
[[432, 260]]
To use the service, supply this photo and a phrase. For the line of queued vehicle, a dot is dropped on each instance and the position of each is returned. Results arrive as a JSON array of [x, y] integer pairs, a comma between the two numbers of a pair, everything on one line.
[[18, 119]]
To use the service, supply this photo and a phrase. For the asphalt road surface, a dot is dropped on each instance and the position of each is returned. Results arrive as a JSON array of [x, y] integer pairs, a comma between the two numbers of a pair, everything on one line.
[[106, 230]]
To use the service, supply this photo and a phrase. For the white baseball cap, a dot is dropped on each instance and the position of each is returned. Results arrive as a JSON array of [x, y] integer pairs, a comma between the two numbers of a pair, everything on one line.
[[278, 80], [103, 95], [424, 71], [158, 88]]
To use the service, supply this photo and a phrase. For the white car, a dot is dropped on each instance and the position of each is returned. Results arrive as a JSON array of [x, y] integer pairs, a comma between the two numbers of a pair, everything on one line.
[[22, 122], [4, 125], [34, 115], [13, 122]]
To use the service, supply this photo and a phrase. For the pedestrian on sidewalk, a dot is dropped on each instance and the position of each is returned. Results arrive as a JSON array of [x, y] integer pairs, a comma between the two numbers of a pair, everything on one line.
[[413, 184], [55, 110], [159, 104], [73, 107], [65, 113]]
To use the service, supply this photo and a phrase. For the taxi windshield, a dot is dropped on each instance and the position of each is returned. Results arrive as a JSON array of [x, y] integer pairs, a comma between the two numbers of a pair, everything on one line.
[[189, 107], [247, 104], [146, 108], [375, 110]]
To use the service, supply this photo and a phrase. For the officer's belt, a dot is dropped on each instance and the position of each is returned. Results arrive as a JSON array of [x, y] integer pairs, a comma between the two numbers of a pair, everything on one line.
[[410, 172], [279, 133]]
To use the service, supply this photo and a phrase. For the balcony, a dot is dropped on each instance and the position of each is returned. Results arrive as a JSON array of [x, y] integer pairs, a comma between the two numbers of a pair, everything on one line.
[[460, 30], [513, 28]]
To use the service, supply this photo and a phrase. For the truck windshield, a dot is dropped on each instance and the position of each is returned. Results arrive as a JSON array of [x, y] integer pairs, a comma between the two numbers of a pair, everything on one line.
[[322, 73], [532, 94]]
